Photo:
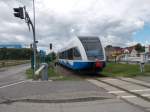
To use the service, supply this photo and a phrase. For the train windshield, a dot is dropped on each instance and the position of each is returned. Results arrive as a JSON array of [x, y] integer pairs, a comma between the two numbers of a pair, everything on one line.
[[93, 47]]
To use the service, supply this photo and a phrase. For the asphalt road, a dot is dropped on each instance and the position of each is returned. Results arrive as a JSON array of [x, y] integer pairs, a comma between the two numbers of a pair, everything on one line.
[[61, 96], [14, 74], [18, 94]]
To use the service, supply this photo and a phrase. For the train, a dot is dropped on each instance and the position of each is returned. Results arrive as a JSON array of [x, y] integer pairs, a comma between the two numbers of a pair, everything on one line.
[[83, 53]]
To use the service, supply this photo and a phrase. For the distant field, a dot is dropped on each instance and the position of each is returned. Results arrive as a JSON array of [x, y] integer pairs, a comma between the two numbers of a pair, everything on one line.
[[125, 70], [5, 63]]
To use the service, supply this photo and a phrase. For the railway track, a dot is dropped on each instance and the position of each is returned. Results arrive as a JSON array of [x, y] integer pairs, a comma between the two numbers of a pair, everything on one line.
[[135, 92], [131, 90], [66, 72], [75, 74]]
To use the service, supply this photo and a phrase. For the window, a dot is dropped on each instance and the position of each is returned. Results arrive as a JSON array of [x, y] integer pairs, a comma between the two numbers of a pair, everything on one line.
[[76, 54], [92, 47], [70, 54]]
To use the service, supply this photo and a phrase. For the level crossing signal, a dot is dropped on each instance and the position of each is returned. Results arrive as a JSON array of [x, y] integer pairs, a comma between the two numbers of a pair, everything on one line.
[[50, 45]]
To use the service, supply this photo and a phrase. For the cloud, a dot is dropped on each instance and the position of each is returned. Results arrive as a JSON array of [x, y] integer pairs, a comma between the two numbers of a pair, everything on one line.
[[57, 21]]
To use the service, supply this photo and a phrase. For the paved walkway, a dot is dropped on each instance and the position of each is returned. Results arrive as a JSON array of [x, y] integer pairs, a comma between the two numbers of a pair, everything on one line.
[[61, 96], [48, 90], [111, 105]]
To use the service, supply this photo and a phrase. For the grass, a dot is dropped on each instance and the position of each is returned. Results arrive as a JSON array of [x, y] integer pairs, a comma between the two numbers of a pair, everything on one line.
[[59, 76], [124, 70], [6, 63], [52, 74], [29, 73], [111, 70]]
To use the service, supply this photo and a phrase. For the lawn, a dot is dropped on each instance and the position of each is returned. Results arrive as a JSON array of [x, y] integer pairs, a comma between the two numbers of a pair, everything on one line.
[[52, 74], [111, 70], [6, 63], [125, 70]]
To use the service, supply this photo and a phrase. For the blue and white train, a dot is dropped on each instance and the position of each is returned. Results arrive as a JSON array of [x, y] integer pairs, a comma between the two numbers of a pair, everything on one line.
[[83, 53]]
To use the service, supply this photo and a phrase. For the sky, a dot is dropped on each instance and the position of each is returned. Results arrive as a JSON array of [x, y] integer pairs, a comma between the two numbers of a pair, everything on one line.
[[143, 35], [116, 22]]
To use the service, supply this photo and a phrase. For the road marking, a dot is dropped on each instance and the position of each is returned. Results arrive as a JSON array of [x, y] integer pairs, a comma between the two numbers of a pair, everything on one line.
[[138, 90], [145, 94], [116, 91], [109, 79], [130, 96], [13, 84], [30, 80]]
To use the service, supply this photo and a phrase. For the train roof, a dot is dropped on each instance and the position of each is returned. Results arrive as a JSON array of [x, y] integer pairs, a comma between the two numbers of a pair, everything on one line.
[[87, 37], [75, 42]]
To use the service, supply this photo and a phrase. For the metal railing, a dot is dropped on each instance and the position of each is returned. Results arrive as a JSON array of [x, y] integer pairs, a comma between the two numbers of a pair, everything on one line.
[[42, 72]]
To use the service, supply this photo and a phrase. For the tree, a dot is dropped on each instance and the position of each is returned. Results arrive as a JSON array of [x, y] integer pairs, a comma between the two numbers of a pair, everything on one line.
[[3, 52], [139, 48], [15, 54], [109, 46], [51, 56]]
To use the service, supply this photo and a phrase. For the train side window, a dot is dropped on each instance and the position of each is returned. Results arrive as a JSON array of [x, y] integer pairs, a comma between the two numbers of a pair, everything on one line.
[[76, 54], [70, 54], [65, 54]]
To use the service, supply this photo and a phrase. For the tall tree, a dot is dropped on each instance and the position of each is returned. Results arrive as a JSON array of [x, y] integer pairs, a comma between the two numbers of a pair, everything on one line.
[[139, 48]]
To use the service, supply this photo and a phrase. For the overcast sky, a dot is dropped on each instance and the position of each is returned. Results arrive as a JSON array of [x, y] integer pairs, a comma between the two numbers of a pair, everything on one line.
[[116, 22]]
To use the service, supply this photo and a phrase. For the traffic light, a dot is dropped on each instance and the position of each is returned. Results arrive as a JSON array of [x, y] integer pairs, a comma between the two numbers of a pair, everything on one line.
[[50, 45], [18, 12], [31, 46]]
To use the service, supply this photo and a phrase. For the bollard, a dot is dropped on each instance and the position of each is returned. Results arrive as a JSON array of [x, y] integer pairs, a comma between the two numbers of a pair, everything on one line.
[[142, 62], [142, 67]]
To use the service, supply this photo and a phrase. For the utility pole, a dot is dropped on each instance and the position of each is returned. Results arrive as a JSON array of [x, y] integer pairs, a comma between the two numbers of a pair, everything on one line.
[[34, 13], [23, 14], [29, 22], [34, 36]]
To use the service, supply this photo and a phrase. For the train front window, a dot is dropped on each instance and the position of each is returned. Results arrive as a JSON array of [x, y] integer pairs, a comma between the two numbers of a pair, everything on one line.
[[92, 47]]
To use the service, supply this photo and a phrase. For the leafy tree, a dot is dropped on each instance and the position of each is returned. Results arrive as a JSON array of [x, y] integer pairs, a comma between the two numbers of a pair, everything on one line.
[[109, 46], [139, 48], [51, 56], [15, 54], [3, 53]]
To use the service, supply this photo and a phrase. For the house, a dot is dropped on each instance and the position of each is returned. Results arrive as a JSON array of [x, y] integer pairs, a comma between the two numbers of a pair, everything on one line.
[[112, 51], [131, 51], [134, 53], [147, 49]]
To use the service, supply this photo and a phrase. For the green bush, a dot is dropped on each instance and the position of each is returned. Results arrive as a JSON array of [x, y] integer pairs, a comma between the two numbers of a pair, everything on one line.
[[15, 54]]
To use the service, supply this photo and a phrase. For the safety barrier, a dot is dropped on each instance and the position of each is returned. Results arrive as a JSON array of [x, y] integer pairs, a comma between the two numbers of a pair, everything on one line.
[[42, 72]]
